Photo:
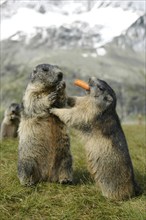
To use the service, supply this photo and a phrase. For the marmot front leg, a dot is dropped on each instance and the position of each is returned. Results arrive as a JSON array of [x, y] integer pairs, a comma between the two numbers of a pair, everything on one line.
[[68, 116], [80, 114]]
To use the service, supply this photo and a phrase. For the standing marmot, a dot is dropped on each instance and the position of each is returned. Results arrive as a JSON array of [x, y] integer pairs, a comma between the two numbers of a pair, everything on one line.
[[10, 123], [44, 146], [107, 152]]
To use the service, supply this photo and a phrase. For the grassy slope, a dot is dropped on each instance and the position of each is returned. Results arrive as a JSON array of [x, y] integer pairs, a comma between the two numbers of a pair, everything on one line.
[[79, 201], [18, 61]]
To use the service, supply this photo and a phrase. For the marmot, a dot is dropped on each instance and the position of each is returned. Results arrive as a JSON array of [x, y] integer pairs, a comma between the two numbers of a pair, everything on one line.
[[106, 147], [44, 145], [10, 123]]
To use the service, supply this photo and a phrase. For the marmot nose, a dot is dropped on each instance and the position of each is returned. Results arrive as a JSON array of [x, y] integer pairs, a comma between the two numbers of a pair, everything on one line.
[[45, 68], [60, 76]]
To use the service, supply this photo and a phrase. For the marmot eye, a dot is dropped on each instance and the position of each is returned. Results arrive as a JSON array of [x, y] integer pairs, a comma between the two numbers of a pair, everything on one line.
[[35, 71], [100, 88], [45, 68], [60, 75], [91, 82]]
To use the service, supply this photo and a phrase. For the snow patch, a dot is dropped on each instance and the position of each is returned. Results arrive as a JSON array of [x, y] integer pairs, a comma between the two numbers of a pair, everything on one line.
[[2, 1], [100, 51], [85, 55], [113, 21]]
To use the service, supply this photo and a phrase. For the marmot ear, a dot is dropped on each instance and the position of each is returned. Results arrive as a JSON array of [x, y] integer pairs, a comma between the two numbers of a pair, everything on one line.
[[109, 98]]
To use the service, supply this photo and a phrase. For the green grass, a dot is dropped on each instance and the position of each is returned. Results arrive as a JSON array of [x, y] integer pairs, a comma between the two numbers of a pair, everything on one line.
[[48, 201]]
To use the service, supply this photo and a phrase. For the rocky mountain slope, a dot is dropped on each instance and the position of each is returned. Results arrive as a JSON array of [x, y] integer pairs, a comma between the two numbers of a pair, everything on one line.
[[102, 38]]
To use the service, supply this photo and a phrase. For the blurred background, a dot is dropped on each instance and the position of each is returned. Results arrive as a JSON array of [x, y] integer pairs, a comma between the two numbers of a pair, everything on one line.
[[106, 39]]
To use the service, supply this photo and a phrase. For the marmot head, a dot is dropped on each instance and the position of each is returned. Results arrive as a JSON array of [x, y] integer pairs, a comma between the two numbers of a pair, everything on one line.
[[49, 78], [13, 111], [104, 94], [46, 74]]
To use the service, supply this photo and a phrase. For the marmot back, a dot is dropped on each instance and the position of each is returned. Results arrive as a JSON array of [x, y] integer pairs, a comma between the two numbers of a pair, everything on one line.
[[44, 146], [107, 152]]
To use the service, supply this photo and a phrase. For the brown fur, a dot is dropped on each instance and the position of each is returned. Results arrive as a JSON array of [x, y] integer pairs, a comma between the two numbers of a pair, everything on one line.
[[106, 147], [10, 123], [44, 146]]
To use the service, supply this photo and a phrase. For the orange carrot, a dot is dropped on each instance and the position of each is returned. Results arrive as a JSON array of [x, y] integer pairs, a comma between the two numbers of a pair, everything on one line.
[[82, 84]]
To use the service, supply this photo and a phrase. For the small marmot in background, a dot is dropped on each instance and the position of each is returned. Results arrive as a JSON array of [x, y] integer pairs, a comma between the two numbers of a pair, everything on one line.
[[10, 123], [44, 145], [106, 147]]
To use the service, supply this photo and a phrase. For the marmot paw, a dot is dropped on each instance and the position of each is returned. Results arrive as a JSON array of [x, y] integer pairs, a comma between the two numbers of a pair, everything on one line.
[[52, 97], [61, 86], [53, 111]]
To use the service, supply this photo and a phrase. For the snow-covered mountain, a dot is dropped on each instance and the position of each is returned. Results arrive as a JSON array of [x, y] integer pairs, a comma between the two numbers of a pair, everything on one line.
[[135, 36], [102, 38], [66, 24]]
